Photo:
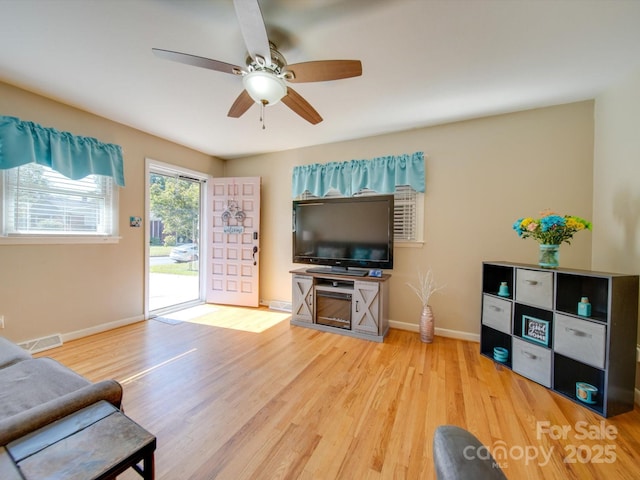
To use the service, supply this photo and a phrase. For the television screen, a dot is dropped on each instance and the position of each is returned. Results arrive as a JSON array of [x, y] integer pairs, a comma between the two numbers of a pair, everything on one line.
[[344, 232]]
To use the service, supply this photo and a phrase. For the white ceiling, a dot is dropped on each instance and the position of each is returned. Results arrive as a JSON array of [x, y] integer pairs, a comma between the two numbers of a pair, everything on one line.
[[424, 62]]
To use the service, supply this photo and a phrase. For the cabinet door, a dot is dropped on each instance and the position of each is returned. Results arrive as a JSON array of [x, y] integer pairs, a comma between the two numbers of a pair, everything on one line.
[[365, 307], [302, 299]]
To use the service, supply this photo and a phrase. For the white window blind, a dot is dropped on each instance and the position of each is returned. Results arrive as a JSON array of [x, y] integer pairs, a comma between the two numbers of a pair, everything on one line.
[[406, 225], [37, 200]]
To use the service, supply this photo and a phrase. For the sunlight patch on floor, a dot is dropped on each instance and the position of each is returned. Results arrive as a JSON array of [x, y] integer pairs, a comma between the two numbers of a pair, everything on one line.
[[191, 313], [238, 318]]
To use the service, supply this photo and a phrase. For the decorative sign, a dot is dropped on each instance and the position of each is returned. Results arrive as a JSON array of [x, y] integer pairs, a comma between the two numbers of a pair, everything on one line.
[[233, 211], [535, 329], [233, 229]]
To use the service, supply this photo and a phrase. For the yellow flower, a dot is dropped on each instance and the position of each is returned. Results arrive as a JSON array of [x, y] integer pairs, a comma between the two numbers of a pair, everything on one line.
[[525, 221], [573, 224]]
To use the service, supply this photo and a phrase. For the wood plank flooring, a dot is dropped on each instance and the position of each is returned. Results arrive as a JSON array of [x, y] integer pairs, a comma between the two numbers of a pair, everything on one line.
[[241, 394]]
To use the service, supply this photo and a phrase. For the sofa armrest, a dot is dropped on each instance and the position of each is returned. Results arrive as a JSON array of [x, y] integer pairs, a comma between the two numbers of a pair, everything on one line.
[[459, 455], [11, 353], [27, 421]]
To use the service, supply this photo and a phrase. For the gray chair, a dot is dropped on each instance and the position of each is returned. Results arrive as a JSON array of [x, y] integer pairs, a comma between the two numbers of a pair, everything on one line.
[[459, 455]]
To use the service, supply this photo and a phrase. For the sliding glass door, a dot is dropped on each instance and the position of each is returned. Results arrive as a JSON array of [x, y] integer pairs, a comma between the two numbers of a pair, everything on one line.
[[174, 230]]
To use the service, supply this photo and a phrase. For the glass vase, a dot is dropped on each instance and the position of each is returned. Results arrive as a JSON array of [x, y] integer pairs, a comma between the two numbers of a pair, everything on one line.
[[426, 325], [549, 256]]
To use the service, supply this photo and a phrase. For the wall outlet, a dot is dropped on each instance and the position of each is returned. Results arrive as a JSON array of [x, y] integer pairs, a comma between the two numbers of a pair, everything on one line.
[[1, 321]]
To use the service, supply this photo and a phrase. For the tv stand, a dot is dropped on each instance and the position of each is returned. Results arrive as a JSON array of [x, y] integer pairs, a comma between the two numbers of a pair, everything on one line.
[[342, 303], [353, 272]]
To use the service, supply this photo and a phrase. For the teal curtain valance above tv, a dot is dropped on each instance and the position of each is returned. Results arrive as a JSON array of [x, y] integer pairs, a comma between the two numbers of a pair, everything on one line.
[[75, 157], [381, 174]]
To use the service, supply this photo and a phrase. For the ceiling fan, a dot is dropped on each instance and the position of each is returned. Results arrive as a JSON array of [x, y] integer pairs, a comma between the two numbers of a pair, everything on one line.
[[266, 74]]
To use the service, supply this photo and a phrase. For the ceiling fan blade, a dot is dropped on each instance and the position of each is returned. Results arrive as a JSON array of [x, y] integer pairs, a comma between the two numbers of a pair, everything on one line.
[[241, 105], [253, 29], [295, 102], [197, 61], [324, 70]]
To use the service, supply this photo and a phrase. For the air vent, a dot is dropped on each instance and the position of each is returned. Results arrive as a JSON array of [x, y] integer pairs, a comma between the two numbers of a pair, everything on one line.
[[40, 344], [280, 306]]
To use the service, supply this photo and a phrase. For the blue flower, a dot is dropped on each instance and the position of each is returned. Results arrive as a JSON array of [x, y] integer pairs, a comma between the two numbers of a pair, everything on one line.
[[516, 226], [551, 221]]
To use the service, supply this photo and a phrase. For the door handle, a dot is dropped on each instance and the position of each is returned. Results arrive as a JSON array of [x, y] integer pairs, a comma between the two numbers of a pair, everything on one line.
[[255, 250]]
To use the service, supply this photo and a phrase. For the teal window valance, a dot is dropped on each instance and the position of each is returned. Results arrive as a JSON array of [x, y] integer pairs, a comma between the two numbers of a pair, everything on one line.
[[75, 157], [381, 174]]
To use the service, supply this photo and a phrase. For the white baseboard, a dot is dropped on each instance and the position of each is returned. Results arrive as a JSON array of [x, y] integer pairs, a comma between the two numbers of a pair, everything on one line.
[[441, 332], [103, 327]]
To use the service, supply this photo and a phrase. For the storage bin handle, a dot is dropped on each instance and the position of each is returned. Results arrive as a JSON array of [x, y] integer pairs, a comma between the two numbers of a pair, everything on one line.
[[531, 282], [529, 355], [576, 332], [495, 308]]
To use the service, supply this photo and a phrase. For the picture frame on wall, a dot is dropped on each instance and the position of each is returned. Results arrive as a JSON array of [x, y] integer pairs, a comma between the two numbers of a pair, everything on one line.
[[536, 330]]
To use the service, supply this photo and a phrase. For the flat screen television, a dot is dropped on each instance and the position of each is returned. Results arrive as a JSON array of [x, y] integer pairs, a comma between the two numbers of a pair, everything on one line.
[[344, 232]]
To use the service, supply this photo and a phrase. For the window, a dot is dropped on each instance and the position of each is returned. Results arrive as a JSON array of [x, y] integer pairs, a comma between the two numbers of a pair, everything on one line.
[[407, 214], [40, 202], [407, 224]]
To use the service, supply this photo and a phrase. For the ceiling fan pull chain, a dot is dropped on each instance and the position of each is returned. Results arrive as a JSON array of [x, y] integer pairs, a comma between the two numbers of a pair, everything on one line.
[[262, 115]]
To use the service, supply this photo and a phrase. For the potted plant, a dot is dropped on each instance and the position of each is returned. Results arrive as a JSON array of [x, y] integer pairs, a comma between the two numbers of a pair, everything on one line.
[[550, 230], [425, 288]]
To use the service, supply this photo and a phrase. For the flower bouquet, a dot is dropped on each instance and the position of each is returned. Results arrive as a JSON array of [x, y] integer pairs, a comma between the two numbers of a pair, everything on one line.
[[550, 230]]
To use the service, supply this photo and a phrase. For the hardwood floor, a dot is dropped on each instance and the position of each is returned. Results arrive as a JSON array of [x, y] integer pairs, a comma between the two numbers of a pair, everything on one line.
[[241, 394]]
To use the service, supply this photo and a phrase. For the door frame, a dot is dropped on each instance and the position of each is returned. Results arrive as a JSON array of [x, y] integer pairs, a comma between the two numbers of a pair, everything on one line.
[[164, 168]]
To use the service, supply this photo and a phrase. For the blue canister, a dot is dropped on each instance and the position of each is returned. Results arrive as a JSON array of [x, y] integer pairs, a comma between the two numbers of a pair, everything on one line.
[[585, 392], [503, 291], [584, 307]]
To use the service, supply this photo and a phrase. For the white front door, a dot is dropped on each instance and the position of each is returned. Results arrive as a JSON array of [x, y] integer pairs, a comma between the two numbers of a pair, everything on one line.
[[234, 241]]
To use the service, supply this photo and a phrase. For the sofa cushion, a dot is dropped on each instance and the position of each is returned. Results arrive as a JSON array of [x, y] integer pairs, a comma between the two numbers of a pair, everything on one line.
[[11, 353], [32, 382]]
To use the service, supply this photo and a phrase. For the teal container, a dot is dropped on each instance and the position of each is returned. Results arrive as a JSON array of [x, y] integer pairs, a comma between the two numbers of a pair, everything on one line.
[[503, 291], [584, 307]]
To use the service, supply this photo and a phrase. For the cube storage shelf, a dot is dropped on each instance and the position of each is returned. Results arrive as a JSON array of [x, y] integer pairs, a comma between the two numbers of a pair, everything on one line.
[[550, 343]]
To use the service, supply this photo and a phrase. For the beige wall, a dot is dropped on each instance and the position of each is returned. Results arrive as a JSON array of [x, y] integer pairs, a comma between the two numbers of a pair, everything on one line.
[[616, 186], [481, 176], [47, 289], [616, 197]]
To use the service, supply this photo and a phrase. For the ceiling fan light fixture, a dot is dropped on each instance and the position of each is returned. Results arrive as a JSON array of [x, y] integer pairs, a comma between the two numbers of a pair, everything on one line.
[[264, 87]]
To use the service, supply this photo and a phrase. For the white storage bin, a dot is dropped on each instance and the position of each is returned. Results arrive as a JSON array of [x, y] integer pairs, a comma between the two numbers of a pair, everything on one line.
[[532, 361], [579, 339], [534, 287], [496, 313]]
